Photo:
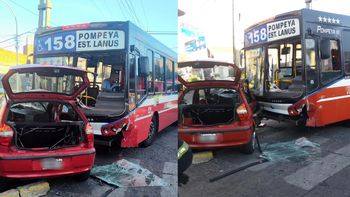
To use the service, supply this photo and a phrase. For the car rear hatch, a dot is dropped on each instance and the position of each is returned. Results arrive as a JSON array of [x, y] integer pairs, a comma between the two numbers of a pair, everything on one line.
[[42, 113], [212, 93], [44, 82]]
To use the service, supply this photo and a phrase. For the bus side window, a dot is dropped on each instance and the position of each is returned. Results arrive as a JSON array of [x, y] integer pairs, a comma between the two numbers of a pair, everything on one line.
[[169, 76], [330, 68], [159, 73], [141, 86], [346, 48], [151, 74]]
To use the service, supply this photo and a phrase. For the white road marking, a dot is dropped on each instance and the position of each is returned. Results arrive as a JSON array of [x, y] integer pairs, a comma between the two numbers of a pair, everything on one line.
[[318, 171], [170, 176]]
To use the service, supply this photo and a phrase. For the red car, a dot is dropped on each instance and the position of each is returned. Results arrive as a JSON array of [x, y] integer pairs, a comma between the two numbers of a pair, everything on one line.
[[43, 133], [214, 109]]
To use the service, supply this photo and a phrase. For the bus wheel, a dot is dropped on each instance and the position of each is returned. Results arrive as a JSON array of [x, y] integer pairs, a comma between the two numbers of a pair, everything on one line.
[[301, 123], [153, 129]]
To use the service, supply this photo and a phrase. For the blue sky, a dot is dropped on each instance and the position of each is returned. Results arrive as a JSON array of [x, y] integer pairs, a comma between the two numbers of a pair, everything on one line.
[[158, 16]]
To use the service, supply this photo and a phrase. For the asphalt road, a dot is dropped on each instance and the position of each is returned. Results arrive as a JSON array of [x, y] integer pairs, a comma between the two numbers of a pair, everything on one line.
[[160, 158], [322, 170]]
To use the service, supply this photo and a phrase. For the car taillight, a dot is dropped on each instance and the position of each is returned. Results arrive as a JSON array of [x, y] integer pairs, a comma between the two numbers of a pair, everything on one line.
[[89, 135], [6, 134], [242, 112]]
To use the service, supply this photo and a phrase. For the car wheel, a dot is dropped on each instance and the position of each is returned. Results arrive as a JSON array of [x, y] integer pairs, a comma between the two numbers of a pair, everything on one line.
[[153, 129], [250, 147], [3, 184], [82, 177]]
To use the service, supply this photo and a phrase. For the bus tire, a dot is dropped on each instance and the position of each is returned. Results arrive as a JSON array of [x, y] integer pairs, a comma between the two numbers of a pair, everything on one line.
[[153, 130], [301, 123]]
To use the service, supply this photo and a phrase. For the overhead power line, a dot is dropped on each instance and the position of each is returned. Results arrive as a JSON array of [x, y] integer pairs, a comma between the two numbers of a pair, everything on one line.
[[144, 13], [28, 10], [121, 9], [163, 32], [14, 37]]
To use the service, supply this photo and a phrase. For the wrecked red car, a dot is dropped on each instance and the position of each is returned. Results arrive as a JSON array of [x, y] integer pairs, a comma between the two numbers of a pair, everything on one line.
[[214, 109], [43, 133]]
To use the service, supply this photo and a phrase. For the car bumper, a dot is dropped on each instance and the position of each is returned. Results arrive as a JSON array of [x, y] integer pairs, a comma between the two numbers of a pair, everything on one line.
[[30, 164], [216, 138]]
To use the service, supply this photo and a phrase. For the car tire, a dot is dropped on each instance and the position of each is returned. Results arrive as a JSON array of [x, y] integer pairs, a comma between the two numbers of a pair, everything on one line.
[[3, 184], [250, 147], [153, 130], [82, 177]]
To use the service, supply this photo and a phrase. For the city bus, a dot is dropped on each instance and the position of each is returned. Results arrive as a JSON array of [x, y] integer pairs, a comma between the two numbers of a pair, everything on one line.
[[298, 66], [132, 94]]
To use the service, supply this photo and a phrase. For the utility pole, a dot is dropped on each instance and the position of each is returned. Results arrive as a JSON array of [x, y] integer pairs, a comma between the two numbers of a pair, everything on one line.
[[308, 4], [44, 8], [233, 34]]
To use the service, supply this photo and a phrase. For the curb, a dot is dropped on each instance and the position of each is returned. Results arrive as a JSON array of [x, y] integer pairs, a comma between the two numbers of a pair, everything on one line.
[[30, 190]]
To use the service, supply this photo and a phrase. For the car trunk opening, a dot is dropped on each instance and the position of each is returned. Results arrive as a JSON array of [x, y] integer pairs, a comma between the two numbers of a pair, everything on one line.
[[45, 125], [208, 106]]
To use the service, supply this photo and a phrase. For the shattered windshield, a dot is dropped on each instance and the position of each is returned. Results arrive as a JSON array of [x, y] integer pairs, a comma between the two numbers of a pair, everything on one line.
[[217, 72], [255, 69], [106, 72]]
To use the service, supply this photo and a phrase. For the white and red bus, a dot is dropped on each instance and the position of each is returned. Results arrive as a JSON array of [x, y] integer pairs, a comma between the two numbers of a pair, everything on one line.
[[132, 94], [298, 66]]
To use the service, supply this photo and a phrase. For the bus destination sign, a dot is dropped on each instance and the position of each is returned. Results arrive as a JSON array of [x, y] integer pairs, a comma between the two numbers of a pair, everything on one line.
[[272, 31], [79, 41]]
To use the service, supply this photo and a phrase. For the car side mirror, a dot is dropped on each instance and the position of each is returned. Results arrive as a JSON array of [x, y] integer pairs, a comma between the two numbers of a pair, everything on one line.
[[325, 47]]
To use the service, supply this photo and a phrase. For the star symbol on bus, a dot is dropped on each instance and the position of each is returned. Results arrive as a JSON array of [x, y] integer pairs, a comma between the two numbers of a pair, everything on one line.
[[333, 20], [338, 21], [325, 19], [319, 19], [329, 20]]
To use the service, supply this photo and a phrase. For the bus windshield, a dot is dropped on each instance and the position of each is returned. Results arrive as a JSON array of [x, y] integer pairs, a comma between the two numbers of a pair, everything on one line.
[[281, 73], [255, 69], [105, 96], [285, 69]]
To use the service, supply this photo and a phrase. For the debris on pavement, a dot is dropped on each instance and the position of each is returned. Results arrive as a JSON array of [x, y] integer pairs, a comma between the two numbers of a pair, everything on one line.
[[290, 150], [30, 190], [238, 170], [126, 174], [202, 157], [303, 142], [10, 193]]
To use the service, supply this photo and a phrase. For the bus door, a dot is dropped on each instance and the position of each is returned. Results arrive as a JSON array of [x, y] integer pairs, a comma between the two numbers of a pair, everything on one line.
[[330, 96], [311, 69]]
